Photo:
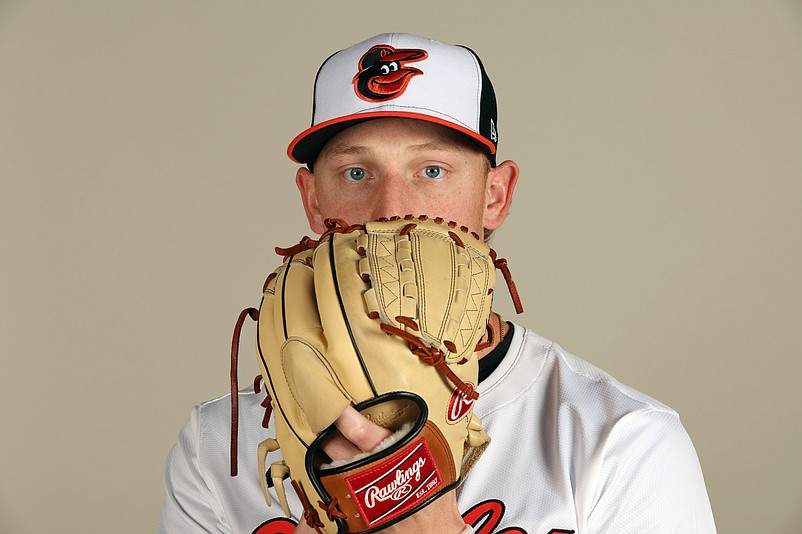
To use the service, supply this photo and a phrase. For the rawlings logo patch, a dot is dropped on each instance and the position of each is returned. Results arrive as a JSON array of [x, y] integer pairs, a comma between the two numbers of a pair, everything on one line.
[[384, 74], [458, 406], [395, 485]]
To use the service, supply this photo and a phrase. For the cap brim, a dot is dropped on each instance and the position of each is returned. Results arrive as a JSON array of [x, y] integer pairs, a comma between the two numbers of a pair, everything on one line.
[[308, 144]]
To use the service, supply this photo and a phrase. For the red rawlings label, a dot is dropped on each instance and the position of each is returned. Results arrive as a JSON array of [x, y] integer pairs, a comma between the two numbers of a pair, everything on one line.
[[395, 485]]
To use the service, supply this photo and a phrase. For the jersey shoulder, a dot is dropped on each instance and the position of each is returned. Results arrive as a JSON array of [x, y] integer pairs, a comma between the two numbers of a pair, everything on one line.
[[535, 364]]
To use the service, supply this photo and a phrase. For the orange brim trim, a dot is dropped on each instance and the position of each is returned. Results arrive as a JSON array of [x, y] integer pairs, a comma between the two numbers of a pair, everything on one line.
[[385, 114]]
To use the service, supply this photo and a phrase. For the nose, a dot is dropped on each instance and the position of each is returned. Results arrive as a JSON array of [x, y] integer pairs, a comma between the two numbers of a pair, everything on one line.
[[394, 196]]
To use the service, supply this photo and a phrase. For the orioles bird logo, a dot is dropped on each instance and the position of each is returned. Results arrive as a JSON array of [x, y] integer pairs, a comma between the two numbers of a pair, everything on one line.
[[383, 74]]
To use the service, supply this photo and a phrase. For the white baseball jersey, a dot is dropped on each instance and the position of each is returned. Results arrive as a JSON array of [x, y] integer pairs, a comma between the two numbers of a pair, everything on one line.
[[572, 451]]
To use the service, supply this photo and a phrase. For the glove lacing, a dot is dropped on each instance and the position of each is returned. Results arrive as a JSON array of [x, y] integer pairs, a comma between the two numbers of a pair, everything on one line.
[[430, 356], [427, 354]]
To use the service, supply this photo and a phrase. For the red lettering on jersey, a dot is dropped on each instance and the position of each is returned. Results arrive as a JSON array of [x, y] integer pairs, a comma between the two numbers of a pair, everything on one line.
[[279, 525], [485, 517]]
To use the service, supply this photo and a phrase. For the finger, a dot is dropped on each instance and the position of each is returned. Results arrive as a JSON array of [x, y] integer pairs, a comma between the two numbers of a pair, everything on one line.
[[337, 447], [359, 431]]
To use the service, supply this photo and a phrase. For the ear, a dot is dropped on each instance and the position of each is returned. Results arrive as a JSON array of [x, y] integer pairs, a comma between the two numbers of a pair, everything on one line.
[[305, 180], [501, 182]]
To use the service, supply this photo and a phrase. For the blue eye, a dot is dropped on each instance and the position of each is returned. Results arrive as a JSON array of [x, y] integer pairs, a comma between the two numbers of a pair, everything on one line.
[[356, 174], [433, 171]]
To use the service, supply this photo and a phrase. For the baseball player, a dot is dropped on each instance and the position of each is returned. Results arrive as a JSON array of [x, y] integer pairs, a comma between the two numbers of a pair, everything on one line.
[[407, 125]]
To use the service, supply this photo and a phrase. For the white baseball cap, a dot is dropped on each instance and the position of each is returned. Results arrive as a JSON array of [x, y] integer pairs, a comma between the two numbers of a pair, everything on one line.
[[400, 75]]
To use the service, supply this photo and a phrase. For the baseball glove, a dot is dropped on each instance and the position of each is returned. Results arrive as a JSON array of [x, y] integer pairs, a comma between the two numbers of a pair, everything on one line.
[[385, 317]]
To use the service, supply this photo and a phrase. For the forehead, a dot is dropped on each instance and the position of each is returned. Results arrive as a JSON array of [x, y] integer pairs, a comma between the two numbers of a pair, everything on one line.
[[395, 132]]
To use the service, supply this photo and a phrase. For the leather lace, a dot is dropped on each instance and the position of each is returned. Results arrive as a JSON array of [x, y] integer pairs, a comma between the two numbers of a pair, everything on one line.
[[332, 509], [501, 264], [431, 356], [253, 313], [310, 514]]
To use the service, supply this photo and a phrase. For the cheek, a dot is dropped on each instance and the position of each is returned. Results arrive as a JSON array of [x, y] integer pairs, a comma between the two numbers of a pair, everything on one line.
[[348, 207], [463, 206], [453, 201], [470, 202]]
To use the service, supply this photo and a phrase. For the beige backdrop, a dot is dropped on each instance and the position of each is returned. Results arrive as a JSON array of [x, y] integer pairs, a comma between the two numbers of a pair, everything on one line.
[[656, 230]]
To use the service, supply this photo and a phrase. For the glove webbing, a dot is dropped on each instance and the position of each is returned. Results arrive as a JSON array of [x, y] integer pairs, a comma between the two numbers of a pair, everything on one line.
[[336, 226]]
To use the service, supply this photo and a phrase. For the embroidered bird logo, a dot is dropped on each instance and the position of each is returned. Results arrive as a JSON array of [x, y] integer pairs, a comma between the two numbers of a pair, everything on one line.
[[383, 73]]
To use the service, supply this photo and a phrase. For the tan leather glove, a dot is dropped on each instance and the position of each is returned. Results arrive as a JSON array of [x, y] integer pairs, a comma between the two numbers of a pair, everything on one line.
[[385, 317]]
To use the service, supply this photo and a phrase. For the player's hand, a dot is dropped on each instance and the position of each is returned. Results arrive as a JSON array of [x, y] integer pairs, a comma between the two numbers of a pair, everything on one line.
[[355, 435]]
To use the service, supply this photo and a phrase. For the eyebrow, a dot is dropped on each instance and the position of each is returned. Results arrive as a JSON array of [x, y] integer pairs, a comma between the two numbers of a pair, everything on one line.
[[438, 147], [346, 149]]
